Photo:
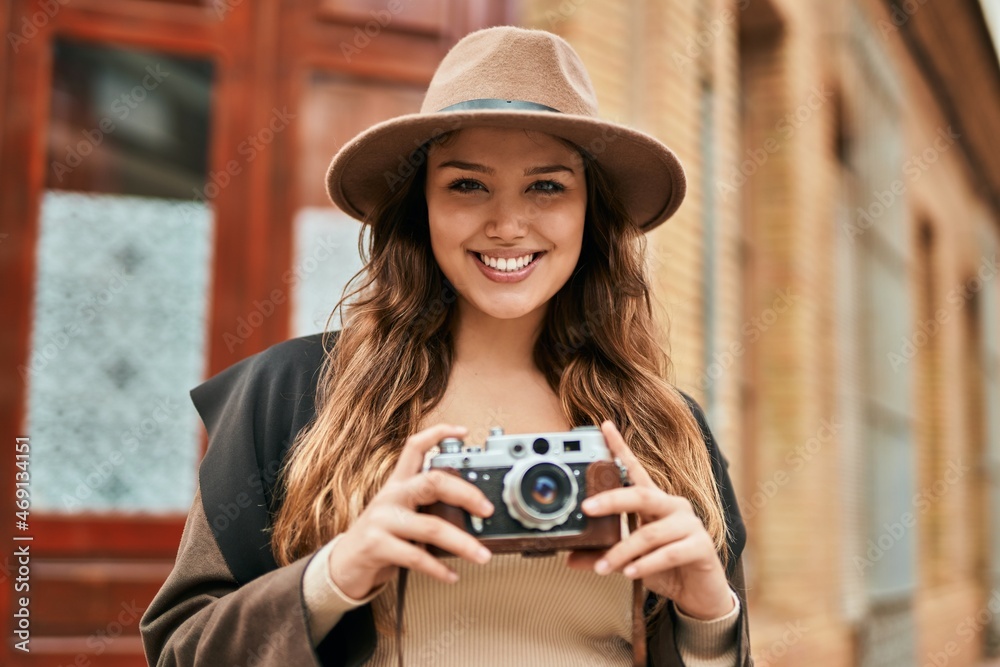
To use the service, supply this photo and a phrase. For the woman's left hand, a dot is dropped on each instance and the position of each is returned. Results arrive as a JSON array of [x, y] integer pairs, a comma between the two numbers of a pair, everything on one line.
[[671, 549]]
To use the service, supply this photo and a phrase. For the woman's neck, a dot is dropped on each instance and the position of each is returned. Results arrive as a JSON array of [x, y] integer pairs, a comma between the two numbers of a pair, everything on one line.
[[492, 346]]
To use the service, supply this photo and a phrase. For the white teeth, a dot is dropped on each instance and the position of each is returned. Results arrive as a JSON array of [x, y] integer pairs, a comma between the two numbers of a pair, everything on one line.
[[506, 264]]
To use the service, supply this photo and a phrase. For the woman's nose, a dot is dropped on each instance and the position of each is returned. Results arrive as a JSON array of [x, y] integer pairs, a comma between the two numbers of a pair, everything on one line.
[[508, 219]]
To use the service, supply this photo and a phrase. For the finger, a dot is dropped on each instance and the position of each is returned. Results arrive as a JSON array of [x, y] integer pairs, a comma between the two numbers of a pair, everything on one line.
[[403, 554], [618, 447], [429, 529], [439, 486], [645, 540], [411, 458], [583, 559], [676, 554], [650, 503]]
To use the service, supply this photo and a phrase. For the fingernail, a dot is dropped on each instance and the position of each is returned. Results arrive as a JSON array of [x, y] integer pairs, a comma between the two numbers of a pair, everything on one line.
[[629, 571], [452, 577], [602, 567], [589, 505], [483, 555], [486, 507]]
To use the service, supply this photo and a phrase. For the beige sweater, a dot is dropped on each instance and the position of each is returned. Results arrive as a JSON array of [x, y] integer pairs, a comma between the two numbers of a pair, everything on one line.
[[203, 618], [516, 610]]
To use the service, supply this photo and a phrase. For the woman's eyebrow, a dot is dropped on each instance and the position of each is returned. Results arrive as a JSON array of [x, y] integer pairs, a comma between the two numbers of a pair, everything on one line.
[[532, 171], [470, 166], [547, 169]]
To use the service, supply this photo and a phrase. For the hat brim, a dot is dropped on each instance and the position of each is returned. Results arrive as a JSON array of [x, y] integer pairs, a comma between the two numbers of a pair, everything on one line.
[[647, 174]]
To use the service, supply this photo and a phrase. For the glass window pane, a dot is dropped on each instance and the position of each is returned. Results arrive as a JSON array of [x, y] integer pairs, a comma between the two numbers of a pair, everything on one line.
[[127, 121], [326, 257], [118, 340], [122, 283]]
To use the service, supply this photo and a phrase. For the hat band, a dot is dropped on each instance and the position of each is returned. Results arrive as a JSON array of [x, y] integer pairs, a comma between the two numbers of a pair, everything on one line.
[[491, 103]]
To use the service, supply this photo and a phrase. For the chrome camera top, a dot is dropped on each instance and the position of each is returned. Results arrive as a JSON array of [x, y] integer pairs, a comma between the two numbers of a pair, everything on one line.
[[537, 476]]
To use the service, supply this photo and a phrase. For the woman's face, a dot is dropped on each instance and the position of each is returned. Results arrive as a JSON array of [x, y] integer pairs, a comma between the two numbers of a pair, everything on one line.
[[506, 210]]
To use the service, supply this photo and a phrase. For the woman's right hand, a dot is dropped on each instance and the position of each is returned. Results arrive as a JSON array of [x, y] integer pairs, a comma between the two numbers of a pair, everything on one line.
[[379, 541]]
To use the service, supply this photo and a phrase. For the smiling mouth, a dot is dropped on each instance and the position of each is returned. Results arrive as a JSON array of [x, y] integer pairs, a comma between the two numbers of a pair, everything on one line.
[[507, 265]]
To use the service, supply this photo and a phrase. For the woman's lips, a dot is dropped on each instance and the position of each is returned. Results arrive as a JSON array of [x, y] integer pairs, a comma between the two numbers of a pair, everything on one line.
[[506, 276]]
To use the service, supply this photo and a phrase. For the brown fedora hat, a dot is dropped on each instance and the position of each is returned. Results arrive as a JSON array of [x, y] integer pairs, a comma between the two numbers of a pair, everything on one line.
[[509, 77]]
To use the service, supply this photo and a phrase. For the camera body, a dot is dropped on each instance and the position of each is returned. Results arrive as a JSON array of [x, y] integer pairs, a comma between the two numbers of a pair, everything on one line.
[[536, 482]]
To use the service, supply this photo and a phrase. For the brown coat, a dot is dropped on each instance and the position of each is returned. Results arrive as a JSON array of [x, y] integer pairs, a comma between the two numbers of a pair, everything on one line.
[[226, 602]]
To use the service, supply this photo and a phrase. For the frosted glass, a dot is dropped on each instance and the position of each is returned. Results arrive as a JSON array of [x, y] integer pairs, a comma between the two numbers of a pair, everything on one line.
[[326, 257], [121, 300]]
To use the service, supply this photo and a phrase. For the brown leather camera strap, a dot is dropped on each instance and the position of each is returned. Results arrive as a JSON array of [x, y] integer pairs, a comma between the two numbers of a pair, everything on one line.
[[638, 616], [400, 594]]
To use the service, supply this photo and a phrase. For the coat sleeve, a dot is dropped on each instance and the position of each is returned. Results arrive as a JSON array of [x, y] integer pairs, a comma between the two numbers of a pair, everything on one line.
[[662, 642], [226, 601], [203, 617]]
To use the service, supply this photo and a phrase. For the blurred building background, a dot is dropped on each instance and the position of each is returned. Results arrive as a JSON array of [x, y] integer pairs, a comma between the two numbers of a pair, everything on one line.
[[831, 280]]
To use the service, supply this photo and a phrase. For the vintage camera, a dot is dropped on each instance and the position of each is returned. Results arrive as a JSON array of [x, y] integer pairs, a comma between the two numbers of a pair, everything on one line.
[[536, 482]]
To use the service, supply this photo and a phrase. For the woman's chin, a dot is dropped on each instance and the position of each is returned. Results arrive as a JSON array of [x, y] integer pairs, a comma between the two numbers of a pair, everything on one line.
[[506, 309]]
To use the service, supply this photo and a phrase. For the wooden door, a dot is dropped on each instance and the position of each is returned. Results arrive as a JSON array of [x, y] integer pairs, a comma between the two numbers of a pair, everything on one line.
[[163, 216], [115, 116]]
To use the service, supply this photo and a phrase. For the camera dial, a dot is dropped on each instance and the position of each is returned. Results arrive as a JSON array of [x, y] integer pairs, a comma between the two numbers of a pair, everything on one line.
[[451, 446]]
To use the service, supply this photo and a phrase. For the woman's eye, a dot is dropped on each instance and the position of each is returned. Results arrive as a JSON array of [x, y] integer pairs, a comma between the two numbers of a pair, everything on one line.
[[465, 185], [548, 186]]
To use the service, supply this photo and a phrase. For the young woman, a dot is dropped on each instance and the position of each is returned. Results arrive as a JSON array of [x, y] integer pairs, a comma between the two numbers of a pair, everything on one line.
[[504, 285]]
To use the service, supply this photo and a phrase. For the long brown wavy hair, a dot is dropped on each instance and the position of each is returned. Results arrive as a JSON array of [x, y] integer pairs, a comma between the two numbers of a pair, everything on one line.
[[598, 350]]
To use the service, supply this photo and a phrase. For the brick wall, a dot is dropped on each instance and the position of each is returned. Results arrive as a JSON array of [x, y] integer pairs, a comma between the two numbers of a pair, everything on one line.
[[798, 460]]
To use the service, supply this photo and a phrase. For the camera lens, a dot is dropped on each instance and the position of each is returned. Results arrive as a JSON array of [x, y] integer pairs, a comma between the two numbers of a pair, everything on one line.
[[540, 493], [545, 489]]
